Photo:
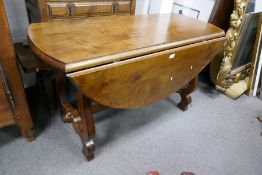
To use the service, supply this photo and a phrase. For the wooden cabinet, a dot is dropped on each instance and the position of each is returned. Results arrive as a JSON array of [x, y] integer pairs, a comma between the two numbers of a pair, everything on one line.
[[6, 114], [46, 10], [13, 104], [58, 10], [92, 8], [123, 7]]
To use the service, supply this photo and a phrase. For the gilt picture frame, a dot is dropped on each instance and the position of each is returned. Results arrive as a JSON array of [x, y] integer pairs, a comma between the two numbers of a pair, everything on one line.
[[230, 78], [226, 75]]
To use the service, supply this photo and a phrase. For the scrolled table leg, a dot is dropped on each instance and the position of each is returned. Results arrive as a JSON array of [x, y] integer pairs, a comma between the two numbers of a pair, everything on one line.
[[80, 117], [29, 134], [184, 93], [87, 131]]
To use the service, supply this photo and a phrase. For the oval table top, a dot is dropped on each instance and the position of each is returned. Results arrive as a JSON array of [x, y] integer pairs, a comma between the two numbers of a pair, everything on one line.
[[73, 45]]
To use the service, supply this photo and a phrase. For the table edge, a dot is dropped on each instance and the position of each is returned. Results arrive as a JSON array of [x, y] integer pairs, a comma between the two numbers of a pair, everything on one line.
[[93, 62], [98, 61], [45, 57]]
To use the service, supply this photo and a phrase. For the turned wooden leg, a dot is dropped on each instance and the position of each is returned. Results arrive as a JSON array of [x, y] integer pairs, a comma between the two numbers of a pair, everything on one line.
[[26, 126], [184, 93], [87, 126], [29, 134], [81, 118], [185, 101]]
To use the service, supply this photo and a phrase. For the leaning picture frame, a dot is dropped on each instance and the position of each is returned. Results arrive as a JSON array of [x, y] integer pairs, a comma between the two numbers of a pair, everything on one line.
[[256, 64], [246, 43], [230, 79]]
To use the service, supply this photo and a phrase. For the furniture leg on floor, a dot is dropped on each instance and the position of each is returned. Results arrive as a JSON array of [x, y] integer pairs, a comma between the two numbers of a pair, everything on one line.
[[29, 134], [80, 117], [87, 133], [136, 71], [184, 93]]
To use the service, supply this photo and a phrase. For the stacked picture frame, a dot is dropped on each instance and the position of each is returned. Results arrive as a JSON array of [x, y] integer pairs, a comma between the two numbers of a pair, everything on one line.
[[238, 71], [256, 64]]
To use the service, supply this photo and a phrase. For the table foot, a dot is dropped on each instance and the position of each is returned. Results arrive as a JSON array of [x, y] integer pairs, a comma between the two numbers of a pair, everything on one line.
[[185, 102], [184, 93], [89, 149], [80, 117], [29, 135]]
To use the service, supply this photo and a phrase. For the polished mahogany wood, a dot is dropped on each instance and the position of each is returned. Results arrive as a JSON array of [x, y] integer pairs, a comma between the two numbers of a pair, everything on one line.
[[8, 61], [72, 45], [184, 93], [144, 80], [87, 131], [29, 62], [148, 59], [48, 10]]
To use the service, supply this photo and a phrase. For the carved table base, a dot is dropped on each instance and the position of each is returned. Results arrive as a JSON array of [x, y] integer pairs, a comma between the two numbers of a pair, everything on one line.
[[184, 93], [82, 116], [29, 134], [86, 125]]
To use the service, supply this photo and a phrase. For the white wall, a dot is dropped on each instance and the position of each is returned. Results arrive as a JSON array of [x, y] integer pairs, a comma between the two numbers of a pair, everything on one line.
[[153, 6], [166, 6], [142, 7], [160, 6], [17, 18], [258, 6]]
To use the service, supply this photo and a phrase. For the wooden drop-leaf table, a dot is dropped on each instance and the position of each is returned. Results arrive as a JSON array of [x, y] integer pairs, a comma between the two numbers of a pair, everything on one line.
[[123, 62]]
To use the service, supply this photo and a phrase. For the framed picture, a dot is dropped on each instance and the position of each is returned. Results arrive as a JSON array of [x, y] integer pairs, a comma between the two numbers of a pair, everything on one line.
[[256, 64], [184, 10], [254, 6], [200, 9], [247, 39]]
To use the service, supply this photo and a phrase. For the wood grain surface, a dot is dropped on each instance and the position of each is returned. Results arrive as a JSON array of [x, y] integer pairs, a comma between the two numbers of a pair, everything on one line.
[[144, 80], [73, 45], [125, 61]]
